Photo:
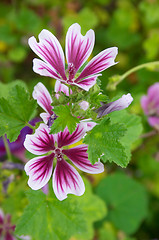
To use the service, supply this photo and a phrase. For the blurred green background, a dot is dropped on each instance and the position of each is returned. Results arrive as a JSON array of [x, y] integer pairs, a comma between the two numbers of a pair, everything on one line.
[[132, 26]]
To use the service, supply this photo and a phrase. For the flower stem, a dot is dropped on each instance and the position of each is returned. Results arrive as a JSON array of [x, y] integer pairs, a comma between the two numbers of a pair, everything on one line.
[[29, 125], [7, 148], [145, 65], [115, 80], [149, 134], [69, 91]]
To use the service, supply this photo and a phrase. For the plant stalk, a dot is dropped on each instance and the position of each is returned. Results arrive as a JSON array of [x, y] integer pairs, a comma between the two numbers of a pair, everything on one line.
[[7, 148], [136, 69]]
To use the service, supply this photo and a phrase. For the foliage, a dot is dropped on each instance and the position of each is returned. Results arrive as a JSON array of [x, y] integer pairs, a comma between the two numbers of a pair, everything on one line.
[[103, 141], [132, 26], [15, 112], [126, 199], [45, 216], [64, 119], [133, 126]]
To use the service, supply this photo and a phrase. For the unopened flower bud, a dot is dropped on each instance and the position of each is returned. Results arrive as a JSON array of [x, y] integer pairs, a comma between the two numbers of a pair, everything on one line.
[[117, 105], [84, 105]]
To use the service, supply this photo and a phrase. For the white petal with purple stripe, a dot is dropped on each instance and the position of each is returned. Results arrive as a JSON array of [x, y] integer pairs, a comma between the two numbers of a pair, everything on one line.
[[78, 47], [79, 156], [67, 180], [50, 51], [87, 83], [45, 117], [43, 97], [41, 141], [59, 87], [44, 69], [99, 63], [65, 138], [39, 170]]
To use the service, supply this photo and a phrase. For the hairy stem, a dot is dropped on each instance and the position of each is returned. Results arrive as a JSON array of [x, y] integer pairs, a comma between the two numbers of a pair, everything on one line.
[[116, 79], [145, 65], [149, 64]]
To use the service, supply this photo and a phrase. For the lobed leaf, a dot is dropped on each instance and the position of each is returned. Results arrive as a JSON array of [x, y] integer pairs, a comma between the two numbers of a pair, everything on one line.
[[48, 218], [15, 112], [126, 199], [133, 126], [103, 141], [65, 119]]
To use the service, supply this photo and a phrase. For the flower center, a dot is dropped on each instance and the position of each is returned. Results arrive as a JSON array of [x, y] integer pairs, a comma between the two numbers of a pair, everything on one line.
[[71, 70], [58, 154], [51, 120]]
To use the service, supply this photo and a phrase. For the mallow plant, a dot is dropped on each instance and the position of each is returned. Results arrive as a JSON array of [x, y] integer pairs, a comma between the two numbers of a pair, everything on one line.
[[68, 123], [79, 131]]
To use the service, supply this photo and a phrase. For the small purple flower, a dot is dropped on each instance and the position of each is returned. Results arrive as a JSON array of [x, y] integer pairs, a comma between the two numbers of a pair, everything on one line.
[[6, 228], [150, 104], [78, 48], [66, 179], [117, 105]]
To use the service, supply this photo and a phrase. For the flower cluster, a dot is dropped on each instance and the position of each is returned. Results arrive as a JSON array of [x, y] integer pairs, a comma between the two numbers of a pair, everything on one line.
[[58, 148]]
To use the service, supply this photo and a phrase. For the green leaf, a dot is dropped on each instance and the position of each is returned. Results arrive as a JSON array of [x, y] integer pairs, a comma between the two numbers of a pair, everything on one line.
[[103, 141], [150, 45], [17, 54], [149, 13], [127, 201], [149, 154], [15, 112], [6, 35], [122, 29], [64, 119], [86, 18], [95, 96], [24, 20], [133, 126], [15, 195], [107, 232], [94, 209], [6, 88], [48, 218]]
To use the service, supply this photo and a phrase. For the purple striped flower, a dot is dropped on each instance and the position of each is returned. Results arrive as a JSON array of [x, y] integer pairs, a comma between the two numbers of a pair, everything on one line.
[[44, 100], [56, 147], [150, 104], [78, 49], [117, 105], [6, 228]]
